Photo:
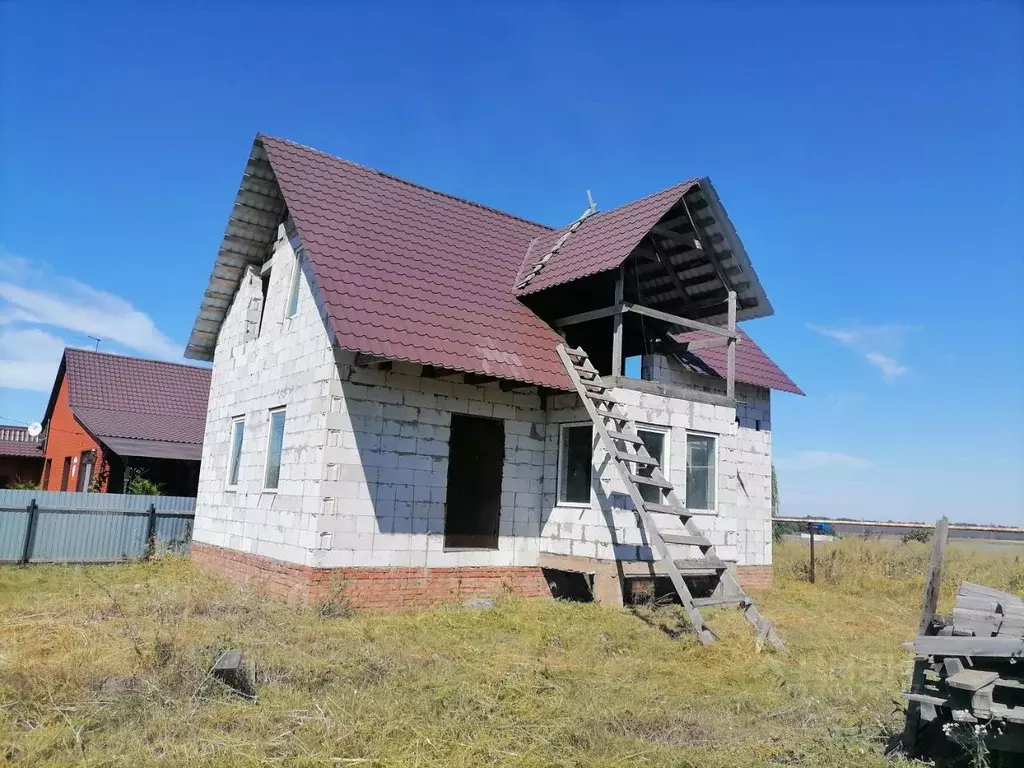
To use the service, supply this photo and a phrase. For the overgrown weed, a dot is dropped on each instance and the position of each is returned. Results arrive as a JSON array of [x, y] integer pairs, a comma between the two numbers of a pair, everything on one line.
[[106, 666]]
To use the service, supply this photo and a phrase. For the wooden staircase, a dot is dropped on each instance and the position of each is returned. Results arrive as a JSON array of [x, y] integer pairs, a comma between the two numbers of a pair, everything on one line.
[[638, 468]]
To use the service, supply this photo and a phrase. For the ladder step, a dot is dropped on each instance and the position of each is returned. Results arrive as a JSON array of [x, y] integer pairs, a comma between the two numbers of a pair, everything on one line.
[[645, 460], [668, 509], [625, 438], [597, 388], [707, 602], [701, 566], [656, 482], [685, 539], [577, 354], [601, 398], [585, 373]]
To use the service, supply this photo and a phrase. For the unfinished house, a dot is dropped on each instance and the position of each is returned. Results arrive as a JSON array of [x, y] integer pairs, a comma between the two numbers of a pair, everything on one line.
[[405, 386]]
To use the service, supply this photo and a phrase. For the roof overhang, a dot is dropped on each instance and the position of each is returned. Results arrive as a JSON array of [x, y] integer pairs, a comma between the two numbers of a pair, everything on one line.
[[696, 242], [153, 449], [252, 228], [681, 252]]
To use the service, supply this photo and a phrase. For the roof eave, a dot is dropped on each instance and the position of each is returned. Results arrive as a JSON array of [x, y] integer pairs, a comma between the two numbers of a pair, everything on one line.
[[252, 227]]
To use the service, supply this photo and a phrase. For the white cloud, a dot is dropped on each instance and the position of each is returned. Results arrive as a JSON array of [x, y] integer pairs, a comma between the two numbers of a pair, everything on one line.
[[879, 344], [814, 460], [890, 368], [33, 298], [29, 358]]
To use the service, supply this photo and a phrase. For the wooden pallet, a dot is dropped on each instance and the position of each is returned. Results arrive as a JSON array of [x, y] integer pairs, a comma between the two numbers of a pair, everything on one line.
[[637, 468]]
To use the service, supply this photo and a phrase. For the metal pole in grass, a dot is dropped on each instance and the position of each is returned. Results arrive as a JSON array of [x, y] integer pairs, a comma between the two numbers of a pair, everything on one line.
[[151, 532], [810, 530], [30, 532]]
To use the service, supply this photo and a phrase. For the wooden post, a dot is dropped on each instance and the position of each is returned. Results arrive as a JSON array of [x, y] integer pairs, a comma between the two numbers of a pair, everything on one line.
[[151, 532], [933, 582], [30, 532], [620, 289], [730, 371], [810, 530]]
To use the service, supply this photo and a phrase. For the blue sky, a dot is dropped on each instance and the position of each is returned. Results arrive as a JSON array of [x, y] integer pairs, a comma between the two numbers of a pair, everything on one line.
[[870, 155]]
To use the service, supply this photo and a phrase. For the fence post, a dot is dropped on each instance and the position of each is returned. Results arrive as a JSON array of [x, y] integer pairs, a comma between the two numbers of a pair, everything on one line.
[[933, 582], [151, 532], [810, 530], [30, 532]]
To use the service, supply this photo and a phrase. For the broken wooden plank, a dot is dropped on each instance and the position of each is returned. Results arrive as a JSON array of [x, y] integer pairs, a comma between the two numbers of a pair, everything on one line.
[[967, 646], [971, 679]]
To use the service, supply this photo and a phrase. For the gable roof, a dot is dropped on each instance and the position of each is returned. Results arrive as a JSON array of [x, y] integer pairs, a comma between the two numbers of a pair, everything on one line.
[[602, 242], [407, 273], [136, 407], [753, 366]]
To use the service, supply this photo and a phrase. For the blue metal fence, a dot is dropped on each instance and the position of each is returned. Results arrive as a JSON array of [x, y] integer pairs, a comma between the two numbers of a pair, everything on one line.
[[61, 527]]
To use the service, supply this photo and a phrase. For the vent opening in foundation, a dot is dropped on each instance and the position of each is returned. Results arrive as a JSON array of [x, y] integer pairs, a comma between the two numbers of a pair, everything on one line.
[[570, 585]]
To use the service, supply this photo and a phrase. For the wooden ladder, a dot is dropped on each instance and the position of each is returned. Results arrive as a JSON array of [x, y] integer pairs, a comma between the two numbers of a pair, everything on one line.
[[625, 448]]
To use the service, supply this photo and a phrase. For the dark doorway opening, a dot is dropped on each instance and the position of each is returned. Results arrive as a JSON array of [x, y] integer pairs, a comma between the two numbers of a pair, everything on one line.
[[476, 455]]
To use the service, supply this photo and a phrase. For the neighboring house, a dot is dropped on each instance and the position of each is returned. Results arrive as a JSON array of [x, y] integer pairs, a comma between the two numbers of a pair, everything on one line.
[[388, 411], [21, 456], [111, 418]]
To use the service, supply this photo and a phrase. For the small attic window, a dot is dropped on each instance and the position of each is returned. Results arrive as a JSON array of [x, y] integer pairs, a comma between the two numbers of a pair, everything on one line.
[[293, 290]]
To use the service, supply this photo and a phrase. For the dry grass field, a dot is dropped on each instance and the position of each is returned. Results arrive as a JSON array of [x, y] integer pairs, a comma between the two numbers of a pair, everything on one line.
[[107, 665]]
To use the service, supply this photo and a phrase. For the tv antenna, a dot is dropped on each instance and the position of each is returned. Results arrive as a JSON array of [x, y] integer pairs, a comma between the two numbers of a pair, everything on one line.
[[97, 339]]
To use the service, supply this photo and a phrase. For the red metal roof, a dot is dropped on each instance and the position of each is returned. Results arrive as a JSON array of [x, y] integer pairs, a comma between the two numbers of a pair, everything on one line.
[[15, 441], [602, 242], [129, 397], [407, 273], [753, 366]]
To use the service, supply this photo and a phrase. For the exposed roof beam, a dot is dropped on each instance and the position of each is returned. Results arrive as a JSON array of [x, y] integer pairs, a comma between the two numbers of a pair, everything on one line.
[[584, 317], [671, 346], [712, 256], [689, 239], [671, 272], [684, 322]]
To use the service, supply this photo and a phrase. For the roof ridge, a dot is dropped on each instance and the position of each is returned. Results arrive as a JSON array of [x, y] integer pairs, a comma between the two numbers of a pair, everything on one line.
[[413, 184], [135, 357]]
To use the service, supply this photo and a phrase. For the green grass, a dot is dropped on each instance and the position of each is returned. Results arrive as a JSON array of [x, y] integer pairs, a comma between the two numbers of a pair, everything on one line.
[[526, 683]]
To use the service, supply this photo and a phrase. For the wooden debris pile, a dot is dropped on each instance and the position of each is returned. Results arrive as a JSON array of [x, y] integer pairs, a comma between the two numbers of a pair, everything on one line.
[[969, 668]]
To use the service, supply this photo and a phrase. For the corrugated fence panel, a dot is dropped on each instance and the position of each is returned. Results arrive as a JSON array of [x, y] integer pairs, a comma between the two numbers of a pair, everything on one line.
[[13, 525], [91, 527]]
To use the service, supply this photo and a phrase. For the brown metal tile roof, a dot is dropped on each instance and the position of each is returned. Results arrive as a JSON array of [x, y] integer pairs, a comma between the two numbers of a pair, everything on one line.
[[407, 273], [129, 397], [15, 441], [602, 242], [753, 366]]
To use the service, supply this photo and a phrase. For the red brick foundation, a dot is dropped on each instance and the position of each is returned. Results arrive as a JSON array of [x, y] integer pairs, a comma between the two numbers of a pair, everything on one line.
[[374, 588], [753, 576]]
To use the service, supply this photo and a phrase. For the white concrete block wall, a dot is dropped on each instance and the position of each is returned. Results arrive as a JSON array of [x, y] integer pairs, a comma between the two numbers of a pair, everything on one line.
[[741, 530], [289, 363], [386, 465], [365, 457]]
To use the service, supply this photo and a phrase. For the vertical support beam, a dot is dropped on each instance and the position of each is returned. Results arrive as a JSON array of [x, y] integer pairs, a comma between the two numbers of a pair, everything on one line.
[[810, 530], [933, 583], [30, 532], [151, 532], [620, 289], [730, 373]]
